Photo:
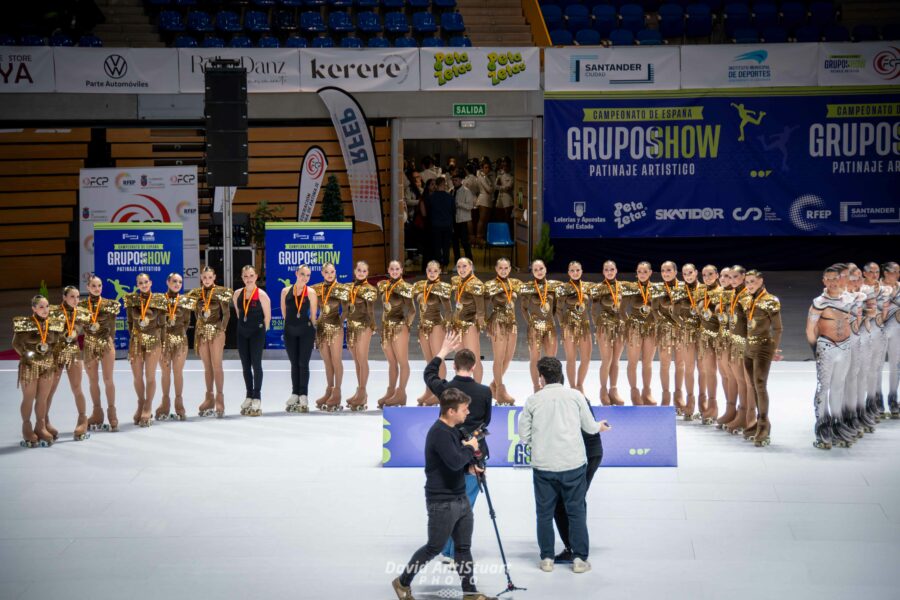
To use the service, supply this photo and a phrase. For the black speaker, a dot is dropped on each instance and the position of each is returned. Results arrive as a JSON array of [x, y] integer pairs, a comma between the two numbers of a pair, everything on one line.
[[225, 110], [239, 258]]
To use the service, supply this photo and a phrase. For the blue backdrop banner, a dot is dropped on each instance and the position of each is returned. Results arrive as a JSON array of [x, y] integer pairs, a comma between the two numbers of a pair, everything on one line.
[[289, 245], [122, 250], [640, 436], [683, 164]]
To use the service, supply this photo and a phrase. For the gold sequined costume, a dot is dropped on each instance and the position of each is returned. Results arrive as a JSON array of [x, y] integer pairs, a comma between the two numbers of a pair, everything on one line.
[[666, 297], [66, 349], [34, 364], [501, 295], [216, 300], [737, 324], [710, 328], [637, 304], [175, 339], [687, 312], [99, 335], [436, 309], [399, 311], [572, 310], [766, 312], [468, 304], [145, 337], [330, 322], [359, 309], [537, 304], [606, 308]]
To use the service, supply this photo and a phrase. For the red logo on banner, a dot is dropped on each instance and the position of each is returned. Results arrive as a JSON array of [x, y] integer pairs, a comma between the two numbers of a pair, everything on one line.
[[152, 210], [887, 63]]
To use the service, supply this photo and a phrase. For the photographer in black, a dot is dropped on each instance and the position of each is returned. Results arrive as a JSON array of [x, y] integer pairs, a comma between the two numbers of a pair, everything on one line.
[[447, 459]]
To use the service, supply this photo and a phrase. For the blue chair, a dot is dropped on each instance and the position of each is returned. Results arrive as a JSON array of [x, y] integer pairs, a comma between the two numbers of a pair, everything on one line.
[[367, 4], [315, 3], [432, 42], [697, 21], [793, 14], [553, 17], [395, 23], [774, 34], [292, 3], [393, 4], [350, 41], [369, 23], [32, 40], [588, 37], [405, 42], [378, 42], [240, 41], [323, 42], [256, 21], [765, 13], [808, 33], [835, 33], [621, 37], [212, 41], [460, 41], [90, 41], [417, 5], [671, 20], [170, 22], [268, 41], [311, 22], [891, 31], [713, 5], [61, 40], [295, 41], [605, 19], [340, 4], [577, 17], [822, 13], [8, 40], [264, 3], [745, 35], [737, 16], [649, 37], [185, 41], [632, 17], [284, 21], [228, 21], [452, 22], [199, 22], [865, 33], [561, 37], [423, 23], [444, 4], [340, 22], [498, 236]]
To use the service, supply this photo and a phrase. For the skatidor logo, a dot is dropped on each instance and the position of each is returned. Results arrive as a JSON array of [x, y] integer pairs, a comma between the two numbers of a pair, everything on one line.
[[115, 66]]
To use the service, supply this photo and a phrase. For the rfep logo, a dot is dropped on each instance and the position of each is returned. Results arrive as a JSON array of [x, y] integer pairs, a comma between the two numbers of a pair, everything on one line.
[[807, 209], [124, 181], [887, 63]]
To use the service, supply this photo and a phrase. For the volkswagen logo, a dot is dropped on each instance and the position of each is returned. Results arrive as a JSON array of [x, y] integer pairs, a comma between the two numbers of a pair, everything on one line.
[[115, 66]]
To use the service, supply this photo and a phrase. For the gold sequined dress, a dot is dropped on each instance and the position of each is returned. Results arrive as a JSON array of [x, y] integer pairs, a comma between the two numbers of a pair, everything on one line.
[[468, 304], [146, 335], [665, 297], [330, 321], [572, 310], [433, 298], [359, 309], [537, 302], [687, 312], [637, 305], [73, 321], [606, 308], [737, 324], [710, 328], [501, 295], [34, 363], [100, 333], [212, 310], [764, 327], [178, 319], [398, 309]]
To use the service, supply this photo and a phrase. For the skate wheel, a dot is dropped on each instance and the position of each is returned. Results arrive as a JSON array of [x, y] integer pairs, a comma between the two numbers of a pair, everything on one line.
[[106, 427], [304, 409], [45, 444]]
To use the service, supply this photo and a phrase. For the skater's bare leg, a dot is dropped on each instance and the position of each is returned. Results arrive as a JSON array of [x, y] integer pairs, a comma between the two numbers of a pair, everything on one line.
[[472, 341]]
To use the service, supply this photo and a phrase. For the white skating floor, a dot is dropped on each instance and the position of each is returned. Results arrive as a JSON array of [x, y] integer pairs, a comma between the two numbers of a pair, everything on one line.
[[298, 506]]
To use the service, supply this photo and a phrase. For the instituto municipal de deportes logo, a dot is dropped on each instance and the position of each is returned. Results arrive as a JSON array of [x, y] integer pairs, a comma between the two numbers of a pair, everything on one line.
[[750, 67]]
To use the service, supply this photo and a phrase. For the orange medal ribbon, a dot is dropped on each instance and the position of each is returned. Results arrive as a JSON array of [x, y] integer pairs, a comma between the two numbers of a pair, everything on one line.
[[43, 331], [753, 304], [144, 307], [507, 289], [173, 306], [644, 295], [690, 296], [614, 293], [328, 293], [734, 301], [246, 301], [669, 291], [462, 288], [543, 296], [206, 300], [70, 326], [95, 312], [427, 292], [297, 303], [390, 290], [578, 290], [354, 292]]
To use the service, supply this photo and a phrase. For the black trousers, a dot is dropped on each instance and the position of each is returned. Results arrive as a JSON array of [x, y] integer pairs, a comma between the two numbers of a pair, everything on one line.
[[560, 516], [299, 345], [441, 239], [250, 348], [461, 237]]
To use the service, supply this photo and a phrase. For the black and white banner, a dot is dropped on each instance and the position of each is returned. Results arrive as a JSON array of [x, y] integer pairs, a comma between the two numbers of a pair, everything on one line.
[[268, 69], [359, 153], [360, 70], [748, 65], [26, 69], [592, 68], [312, 172], [868, 63], [116, 70]]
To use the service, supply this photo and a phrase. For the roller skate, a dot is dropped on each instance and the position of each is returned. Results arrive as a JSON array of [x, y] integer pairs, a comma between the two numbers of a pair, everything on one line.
[[728, 416], [292, 404], [245, 406], [823, 434], [427, 399], [320, 403], [29, 437], [647, 398], [749, 432], [45, 437], [737, 424], [680, 407], [334, 401], [144, 419], [95, 421], [505, 398], [852, 421], [179, 414], [53, 430], [255, 408], [636, 397], [879, 404], [304, 403], [711, 413], [113, 419], [614, 398], [80, 432], [865, 419], [220, 405], [763, 429], [398, 399], [387, 396], [689, 409], [359, 401], [872, 410], [604, 397], [207, 407], [162, 412], [841, 435], [893, 406]]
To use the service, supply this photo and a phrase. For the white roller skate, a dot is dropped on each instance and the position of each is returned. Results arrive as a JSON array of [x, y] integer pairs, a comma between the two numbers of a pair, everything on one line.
[[255, 408], [304, 404], [292, 404], [245, 406]]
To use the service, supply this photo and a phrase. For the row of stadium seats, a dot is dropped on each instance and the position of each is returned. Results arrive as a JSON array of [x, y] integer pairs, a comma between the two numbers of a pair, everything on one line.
[[813, 6], [57, 39], [340, 4], [324, 41]]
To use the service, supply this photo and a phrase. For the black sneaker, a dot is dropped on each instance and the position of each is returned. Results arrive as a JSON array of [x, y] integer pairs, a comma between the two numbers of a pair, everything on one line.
[[564, 558]]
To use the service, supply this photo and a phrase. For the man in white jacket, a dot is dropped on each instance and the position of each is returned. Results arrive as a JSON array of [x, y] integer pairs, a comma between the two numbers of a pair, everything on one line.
[[465, 202], [552, 422]]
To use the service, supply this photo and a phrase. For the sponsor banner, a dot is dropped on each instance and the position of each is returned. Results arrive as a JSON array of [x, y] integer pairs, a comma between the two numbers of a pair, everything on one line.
[[268, 69], [480, 69], [26, 69], [289, 245], [814, 164], [140, 195], [587, 69], [123, 250], [116, 70], [640, 436], [748, 65], [312, 172], [862, 63], [359, 153], [360, 70]]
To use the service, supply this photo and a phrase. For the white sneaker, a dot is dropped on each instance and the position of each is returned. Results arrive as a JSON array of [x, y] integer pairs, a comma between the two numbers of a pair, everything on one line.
[[547, 565], [581, 566]]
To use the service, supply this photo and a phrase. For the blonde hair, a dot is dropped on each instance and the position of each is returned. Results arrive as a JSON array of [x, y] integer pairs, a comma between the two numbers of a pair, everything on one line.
[[303, 266], [68, 289], [502, 259], [246, 268], [36, 299]]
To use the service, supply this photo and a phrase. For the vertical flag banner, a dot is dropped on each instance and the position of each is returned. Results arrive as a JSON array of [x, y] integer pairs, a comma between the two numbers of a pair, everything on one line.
[[359, 153], [123, 250], [140, 195], [312, 172], [289, 245]]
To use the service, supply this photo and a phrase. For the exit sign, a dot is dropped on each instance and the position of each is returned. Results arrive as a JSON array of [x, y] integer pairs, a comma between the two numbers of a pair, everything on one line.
[[469, 110]]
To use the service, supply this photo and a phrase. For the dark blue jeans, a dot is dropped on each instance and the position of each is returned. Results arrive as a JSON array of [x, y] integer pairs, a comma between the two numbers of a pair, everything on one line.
[[472, 490], [570, 487]]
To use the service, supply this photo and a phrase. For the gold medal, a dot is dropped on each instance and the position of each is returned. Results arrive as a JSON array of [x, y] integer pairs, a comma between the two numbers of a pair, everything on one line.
[[579, 308], [171, 322], [707, 314], [723, 318], [459, 306], [752, 323], [206, 314], [387, 307], [144, 322], [352, 308], [42, 348], [645, 310], [545, 309], [95, 327], [70, 339], [694, 311], [326, 309]]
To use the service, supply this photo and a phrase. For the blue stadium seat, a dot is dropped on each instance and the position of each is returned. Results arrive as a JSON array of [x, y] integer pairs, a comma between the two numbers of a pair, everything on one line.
[[564, 4], [315, 3], [240, 41], [765, 13], [199, 22], [340, 4], [322, 42], [865, 33], [393, 4], [378, 42], [170, 21], [367, 4], [561, 37], [588, 37], [285, 21], [891, 31], [184, 3], [621, 37], [444, 4], [340, 22], [671, 20], [553, 17], [185, 41], [460, 41], [256, 21], [405, 42], [61, 40], [774, 34], [228, 21], [835, 33], [311, 22], [395, 23], [808, 33], [90, 41], [452, 22], [577, 17], [419, 4], [649, 37], [7, 40], [423, 23], [745, 35], [793, 14], [159, 3], [295, 41], [264, 3], [432, 42], [822, 13], [713, 5], [292, 3], [737, 16], [633, 17], [213, 41], [605, 19], [697, 21], [369, 23], [268, 41], [350, 41]]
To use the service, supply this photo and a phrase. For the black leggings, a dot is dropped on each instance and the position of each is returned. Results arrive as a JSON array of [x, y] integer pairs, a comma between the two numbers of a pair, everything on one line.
[[560, 515], [299, 346], [250, 348]]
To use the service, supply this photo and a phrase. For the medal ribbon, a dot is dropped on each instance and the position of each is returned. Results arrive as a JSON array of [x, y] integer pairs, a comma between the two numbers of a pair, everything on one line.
[[328, 293], [753, 304], [95, 312], [427, 291], [206, 300], [690, 296], [644, 295], [734, 301], [70, 327], [144, 307], [543, 296], [246, 301], [614, 293], [43, 331], [669, 291], [297, 303], [462, 288], [173, 306], [354, 291], [390, 290], [507, 289], [577, 286]]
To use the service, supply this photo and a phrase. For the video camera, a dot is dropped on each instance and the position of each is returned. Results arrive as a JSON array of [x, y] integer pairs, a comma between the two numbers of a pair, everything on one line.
[[479, 432]]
